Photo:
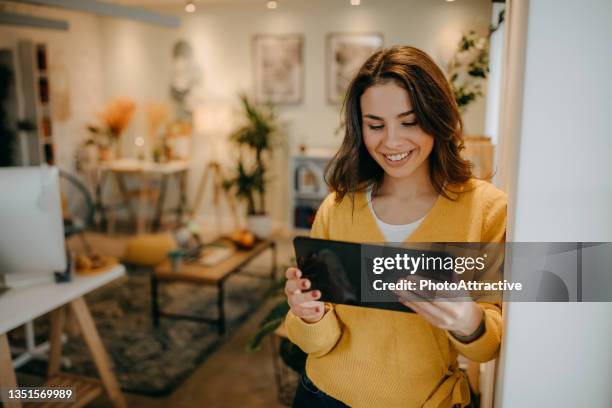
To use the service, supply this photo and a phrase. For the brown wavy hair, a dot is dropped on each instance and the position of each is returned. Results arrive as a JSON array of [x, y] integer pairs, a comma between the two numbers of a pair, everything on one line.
[[352, 168]]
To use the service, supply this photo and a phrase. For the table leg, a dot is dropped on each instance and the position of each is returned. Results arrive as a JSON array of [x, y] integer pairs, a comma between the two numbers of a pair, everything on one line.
[[154, 301], [221, 307], [126, 197], [7, 373], [142, 204], [160, 203], [98, 353], [55, 341], [32, 350], [99, 205], [182, 197], [274, 260]]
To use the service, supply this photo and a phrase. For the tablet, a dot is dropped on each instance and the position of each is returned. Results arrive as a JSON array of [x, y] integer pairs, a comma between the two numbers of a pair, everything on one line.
[[342, 271]]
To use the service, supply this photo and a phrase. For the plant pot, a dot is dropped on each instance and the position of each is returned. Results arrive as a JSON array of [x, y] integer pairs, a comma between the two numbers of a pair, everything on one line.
[[260, 225]]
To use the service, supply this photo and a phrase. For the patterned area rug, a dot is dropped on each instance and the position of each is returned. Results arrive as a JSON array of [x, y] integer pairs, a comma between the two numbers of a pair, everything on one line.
[[147, 360]]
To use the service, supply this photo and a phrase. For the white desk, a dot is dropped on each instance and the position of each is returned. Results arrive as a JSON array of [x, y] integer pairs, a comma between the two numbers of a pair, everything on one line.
[[145, 171], [141, 166], [19, 306]]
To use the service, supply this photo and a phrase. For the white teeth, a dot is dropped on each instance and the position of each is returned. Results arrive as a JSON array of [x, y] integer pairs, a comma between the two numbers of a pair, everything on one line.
[[396, 157]]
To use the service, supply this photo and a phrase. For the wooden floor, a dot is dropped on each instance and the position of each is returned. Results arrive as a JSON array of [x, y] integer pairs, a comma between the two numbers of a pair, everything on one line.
[[230, 377]]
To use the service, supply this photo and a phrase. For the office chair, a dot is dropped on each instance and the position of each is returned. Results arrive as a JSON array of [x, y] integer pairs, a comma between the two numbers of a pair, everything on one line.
[[77, 208]]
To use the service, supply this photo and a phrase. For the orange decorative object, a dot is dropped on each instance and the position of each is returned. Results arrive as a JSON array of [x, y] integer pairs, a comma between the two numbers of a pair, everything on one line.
[[118, 115], [244, 239], [94, 264]]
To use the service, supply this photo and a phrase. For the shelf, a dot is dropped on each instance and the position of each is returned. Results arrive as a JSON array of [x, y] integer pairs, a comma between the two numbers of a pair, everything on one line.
[[307, 172], [85, 390]]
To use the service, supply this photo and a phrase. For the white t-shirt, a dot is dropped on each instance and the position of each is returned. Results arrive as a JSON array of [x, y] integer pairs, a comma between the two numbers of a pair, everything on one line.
[[393, 232]]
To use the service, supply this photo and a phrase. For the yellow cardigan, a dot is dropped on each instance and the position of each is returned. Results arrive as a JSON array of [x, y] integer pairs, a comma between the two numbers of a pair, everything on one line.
[[376, 358]]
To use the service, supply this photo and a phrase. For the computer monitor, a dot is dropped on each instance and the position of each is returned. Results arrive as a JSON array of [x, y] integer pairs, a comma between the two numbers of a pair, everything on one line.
[[32, 244]]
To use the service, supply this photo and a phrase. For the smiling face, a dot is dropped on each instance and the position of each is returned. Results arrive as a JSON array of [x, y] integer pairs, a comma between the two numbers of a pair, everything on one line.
[[388, 146], [391, 132]]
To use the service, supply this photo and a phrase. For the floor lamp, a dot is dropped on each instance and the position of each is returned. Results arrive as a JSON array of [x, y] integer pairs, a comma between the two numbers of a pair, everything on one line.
[[212, 171]]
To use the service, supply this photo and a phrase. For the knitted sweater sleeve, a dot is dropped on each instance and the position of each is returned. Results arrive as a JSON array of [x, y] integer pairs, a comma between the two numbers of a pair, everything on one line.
[[318, 338]]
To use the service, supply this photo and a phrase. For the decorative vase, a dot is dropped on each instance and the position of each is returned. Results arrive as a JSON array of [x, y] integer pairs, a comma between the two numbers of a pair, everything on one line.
[[106, 153], [260, 225]]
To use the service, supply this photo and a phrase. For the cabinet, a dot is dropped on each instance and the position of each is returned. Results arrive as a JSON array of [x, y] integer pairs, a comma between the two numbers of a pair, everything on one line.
[[308, 185], [28, 102]]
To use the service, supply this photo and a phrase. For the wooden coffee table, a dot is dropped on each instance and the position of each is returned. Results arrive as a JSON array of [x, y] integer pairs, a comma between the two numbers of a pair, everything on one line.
[[207, 276]]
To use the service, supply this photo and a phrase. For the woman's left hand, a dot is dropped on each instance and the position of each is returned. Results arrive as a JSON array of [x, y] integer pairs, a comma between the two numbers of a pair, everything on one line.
[[454, 311], [460, 317]]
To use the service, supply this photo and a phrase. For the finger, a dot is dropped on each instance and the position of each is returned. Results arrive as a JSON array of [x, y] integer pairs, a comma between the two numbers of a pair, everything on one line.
[[418, 297], [312, 303], [297, 299], [313, 308], [404, 294], [408, 304], [293, 273], [424, 293], [296, 285], [442, 316], [433, 309], [412, 305], [308, 309], [451, 295], [424, 313], [411, 295], [417, 308], [448, 306]]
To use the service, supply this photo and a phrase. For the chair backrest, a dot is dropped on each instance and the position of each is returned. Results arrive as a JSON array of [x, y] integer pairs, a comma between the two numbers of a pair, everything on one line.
[[78, 204]]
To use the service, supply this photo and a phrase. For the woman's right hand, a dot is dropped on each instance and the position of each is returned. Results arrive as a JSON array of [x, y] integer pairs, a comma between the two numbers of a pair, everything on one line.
[[303, 303]]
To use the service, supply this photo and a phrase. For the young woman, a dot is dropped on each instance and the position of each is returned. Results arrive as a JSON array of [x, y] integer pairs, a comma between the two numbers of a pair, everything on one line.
[[397, 177]]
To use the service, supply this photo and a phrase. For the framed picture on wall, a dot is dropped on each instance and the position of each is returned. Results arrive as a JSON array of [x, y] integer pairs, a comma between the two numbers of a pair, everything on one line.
[[346, 52], [278, 68]]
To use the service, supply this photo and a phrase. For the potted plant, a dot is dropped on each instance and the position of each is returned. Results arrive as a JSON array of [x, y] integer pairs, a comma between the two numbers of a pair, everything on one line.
[[292, 357], [114, 120], [255, 141], [469, 66]]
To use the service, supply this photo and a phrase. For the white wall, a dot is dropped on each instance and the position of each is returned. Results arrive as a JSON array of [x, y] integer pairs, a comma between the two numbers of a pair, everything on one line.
[[221, 35], [136, 65], [496, 49], [559, 355], [111, 58]]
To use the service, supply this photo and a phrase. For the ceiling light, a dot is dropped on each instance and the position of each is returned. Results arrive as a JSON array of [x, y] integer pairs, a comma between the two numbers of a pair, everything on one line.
[[449, 1], [355, 2], [190, 7], [272, 4]]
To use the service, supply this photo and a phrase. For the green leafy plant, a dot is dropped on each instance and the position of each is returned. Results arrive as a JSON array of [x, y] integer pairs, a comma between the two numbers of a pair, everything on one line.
[[469, 66], [466, 77], [291, 354], [255, 140]]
